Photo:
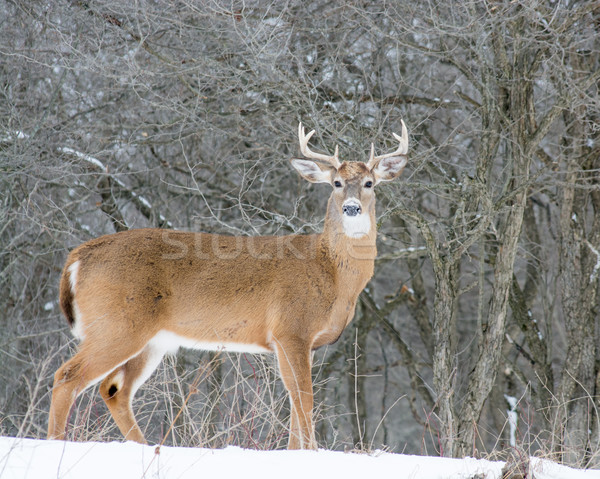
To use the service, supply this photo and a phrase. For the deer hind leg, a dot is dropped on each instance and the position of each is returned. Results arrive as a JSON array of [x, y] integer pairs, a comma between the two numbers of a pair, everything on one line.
[[294, 359], [85, 368], [294, 441], [69, 382], [119, 387]]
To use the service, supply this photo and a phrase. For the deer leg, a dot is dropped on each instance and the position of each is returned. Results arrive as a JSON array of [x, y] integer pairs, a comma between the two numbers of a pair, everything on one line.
[[85, 368], [69, 382], [294, 441], [295, 366], [119, 387]]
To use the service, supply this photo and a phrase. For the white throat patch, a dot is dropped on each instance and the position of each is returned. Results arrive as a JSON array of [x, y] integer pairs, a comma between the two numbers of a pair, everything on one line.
[[356, 226]]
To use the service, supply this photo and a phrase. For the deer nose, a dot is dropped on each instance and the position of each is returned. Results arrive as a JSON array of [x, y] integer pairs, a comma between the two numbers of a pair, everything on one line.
[[351, 209]]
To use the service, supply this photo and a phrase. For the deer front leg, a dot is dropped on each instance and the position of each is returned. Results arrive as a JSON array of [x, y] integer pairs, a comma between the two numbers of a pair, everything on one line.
[[294, 359]]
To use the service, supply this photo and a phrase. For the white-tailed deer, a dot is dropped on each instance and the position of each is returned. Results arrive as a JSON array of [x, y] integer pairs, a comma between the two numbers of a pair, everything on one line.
[[133, 296]]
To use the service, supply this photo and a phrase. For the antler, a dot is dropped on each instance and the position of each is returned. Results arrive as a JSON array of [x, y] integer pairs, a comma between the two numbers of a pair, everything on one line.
[[402, 147], [308, 153]]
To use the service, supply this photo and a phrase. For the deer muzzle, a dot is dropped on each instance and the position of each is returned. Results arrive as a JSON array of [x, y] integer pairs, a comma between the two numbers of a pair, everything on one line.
[[351, 208]]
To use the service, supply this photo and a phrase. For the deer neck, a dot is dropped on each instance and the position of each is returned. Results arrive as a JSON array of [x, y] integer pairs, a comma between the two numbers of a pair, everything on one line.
[[353, 256]]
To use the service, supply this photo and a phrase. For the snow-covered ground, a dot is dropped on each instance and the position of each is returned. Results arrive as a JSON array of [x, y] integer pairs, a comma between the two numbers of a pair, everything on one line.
[[38, 459]]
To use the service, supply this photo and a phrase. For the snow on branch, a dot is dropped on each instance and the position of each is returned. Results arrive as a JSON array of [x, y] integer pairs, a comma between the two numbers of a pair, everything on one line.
[[594, 274], [83, 156]]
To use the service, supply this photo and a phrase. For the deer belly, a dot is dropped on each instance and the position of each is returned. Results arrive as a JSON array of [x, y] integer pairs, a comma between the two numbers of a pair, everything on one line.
[[170, 342]]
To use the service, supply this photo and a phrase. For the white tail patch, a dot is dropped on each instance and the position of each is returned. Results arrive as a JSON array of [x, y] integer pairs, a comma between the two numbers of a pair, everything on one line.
[[73, 271], [77, 329]]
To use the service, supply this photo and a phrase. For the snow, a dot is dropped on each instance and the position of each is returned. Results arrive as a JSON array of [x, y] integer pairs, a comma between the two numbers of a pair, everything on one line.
[[544, 469], [11, 135], [38, 459], [513, 418]]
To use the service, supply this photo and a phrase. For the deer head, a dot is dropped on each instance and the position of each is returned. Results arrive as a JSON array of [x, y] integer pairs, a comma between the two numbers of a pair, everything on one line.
[[352, 202]]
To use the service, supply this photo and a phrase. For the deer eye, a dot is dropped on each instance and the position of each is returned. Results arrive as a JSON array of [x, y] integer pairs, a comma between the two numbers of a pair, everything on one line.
[[369, 184], [337, 184]]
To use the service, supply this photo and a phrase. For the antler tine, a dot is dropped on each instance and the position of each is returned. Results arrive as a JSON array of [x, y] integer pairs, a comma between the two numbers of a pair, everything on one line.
[[308, 153], [402, 147]]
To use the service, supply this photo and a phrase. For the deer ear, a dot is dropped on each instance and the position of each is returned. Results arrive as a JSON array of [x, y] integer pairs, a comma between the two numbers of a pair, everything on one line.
[[387, 169], [313, 172]]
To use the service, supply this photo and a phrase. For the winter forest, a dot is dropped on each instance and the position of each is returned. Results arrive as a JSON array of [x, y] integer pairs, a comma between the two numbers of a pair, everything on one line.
[[478, 334]]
